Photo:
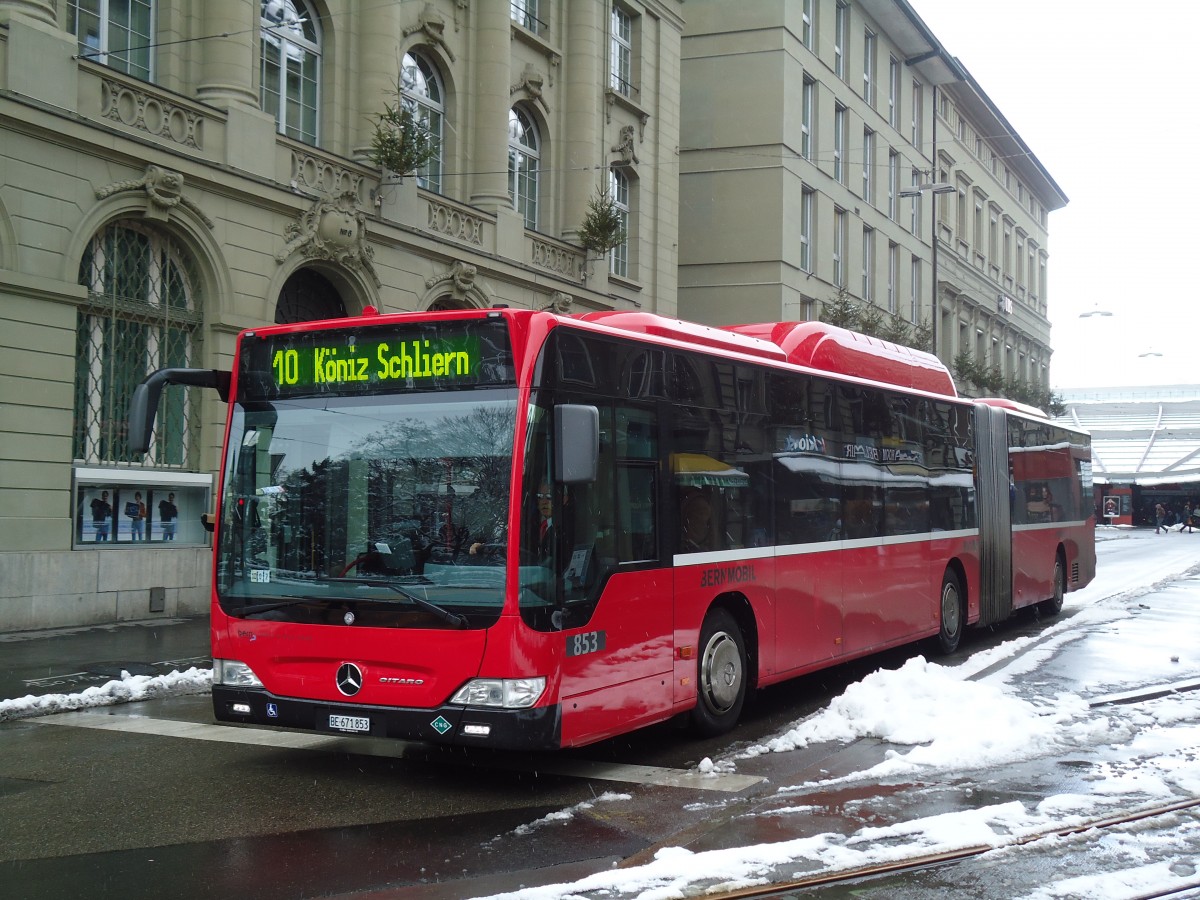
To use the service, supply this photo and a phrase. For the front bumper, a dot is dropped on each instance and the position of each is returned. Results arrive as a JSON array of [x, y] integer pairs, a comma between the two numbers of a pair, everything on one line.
[[506, 729]]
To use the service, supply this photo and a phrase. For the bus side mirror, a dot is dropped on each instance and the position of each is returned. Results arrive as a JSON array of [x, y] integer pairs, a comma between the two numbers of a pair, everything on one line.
[[576, 443], [143, 407]]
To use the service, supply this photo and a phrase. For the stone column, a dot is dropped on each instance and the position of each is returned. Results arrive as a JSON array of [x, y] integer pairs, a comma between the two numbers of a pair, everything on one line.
[[227, 68], [38, 10], [583, 144], [493, 73], [379, 68]]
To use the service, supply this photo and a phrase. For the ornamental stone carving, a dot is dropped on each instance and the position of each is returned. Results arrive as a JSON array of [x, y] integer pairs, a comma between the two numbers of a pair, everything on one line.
[[557, 259], [322, 176], [625, 146], [164, 192], [433, 27], [531, 82], [454, 223], [460, 281], [460, 277], [333, 229], [151, 113]]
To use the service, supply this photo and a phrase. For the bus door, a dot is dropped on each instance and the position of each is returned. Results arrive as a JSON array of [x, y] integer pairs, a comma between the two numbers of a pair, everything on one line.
[[614, 598], [995, 489]]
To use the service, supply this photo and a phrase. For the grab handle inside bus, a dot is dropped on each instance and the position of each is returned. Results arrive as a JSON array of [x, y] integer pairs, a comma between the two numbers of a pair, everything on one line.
[[576, 443], [143, 407]]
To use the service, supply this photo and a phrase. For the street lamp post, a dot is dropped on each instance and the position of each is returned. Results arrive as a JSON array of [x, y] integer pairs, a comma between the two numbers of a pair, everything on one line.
[[933, 188]]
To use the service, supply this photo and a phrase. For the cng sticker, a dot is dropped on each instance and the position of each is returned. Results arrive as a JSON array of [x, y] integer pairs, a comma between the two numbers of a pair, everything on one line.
[[440, 725]]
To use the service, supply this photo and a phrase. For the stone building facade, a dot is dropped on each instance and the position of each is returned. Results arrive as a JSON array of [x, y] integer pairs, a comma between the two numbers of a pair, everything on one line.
[[807, 125], [174, 172]]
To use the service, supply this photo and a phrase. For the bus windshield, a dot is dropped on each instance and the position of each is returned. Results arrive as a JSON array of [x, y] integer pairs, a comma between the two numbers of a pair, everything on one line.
[[385, 509]]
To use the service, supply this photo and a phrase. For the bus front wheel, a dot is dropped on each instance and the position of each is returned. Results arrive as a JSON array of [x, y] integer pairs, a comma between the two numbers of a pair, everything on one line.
[[952, 617], [721, 675]]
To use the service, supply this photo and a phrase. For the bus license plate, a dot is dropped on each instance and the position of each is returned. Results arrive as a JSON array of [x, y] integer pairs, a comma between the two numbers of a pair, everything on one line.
[[349, 723]]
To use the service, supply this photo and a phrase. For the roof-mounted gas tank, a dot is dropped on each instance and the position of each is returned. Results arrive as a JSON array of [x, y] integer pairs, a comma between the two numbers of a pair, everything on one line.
[[689, 332], [819, 345]]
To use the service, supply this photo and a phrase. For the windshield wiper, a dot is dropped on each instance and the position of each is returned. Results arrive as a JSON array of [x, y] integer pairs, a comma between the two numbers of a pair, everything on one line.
[[445, 615], [277, 604]]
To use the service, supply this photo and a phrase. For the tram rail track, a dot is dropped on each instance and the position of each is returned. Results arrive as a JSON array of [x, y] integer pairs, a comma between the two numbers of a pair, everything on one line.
[[915, 863]]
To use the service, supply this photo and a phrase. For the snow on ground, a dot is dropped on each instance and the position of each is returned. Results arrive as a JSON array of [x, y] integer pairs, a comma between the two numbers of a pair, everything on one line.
[[945, 720]]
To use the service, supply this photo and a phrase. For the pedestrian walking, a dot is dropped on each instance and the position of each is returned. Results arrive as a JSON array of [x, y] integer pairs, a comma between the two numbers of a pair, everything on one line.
[[1160, 513]]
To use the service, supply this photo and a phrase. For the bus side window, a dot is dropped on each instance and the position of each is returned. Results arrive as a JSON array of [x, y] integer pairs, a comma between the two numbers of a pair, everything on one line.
[[636, 493], [636, 465]]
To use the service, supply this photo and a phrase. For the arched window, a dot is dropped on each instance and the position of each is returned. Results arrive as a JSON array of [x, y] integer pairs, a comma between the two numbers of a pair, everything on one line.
[[524, 152], [291, 67], [422, 89], [618, 187], [142, 314], [117, 33]]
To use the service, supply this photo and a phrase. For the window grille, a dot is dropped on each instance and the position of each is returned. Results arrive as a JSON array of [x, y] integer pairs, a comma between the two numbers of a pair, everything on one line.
[[142, 313]]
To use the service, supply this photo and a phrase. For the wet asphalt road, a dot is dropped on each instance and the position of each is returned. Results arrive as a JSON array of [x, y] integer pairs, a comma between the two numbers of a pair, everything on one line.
[[151, 800]]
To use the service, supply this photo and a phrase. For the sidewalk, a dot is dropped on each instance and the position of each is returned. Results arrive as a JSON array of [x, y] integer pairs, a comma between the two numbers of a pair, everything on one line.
[[69, 660]]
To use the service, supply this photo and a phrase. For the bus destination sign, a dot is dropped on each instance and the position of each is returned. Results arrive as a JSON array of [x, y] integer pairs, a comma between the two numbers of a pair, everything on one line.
[[338, 364], [378, 358]]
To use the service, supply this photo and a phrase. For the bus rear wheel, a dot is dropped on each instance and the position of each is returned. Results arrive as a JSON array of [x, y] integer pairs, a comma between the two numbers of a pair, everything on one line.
[[1054, 605], [952, 614], [721, 675]]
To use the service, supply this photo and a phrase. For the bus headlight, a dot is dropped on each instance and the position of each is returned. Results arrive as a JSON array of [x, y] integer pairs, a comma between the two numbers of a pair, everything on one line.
[[233, 673], [504, 693]]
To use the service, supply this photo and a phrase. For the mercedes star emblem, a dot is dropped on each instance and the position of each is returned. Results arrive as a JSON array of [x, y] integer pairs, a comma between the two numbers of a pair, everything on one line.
[[349, 679]]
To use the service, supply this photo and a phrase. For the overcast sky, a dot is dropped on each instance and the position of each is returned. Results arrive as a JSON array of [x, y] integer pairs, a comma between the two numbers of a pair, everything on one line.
[[1101, 94]]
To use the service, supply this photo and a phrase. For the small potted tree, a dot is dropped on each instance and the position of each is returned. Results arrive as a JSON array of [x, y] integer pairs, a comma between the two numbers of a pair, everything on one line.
[[401, 146], [601, 229]]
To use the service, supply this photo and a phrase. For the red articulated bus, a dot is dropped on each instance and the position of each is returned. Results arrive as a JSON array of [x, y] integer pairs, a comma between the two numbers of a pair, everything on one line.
[[515, 529]]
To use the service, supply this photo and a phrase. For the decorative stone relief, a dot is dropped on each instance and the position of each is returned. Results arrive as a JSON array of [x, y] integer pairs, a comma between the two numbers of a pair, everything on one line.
[[151, 114], [434, 26], [557, 259], [164, 192], [460, 276], [454, 223], [334, 229], [460, 280], [625, 146], [531, 83], [560, 302], [322, 176]]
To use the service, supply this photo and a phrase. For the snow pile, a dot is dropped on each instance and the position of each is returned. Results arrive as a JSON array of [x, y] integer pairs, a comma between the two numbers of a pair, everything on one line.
[[949, 723], [127, 689]]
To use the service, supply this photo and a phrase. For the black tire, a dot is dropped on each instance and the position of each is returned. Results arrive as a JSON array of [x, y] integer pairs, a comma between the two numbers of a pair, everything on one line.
[[952, 613], [1054, 605], [720, 675]]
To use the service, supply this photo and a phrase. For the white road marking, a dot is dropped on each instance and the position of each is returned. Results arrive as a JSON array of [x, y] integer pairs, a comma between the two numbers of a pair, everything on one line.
[[730, 783]]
